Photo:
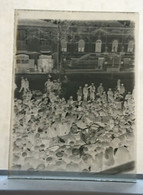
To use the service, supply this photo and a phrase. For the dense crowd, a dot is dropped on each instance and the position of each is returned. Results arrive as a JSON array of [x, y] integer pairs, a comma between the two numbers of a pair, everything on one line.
[[93, 132]]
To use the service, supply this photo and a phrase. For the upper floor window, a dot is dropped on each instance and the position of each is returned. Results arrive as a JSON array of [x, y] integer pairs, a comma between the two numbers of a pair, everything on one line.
[[98, 45], [22, 59], [81, 45], [131, 46], [64, 45], [115, 46]]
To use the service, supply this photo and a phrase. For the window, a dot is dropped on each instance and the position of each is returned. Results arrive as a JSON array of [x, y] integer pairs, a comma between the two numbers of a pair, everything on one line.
[[127, 61], [115, 46], [100, 63], [64, 45], [81, 45], [22, 59], [18, 61], [98, 46], [131, 46]]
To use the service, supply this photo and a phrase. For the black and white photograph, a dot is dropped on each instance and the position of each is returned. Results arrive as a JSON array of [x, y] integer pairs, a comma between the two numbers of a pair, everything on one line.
[[74, 93]]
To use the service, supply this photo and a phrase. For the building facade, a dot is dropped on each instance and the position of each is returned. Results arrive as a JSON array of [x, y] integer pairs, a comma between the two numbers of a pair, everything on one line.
[[70, 45]]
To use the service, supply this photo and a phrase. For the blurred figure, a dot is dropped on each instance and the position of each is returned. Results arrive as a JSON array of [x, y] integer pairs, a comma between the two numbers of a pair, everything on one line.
[[128, 96], [52, 97], [100, 89], [118, 85], [59, 86], [110, 95], [65, 80], [85, 92], [133, 93], [48, 85], [26, 89], [15, 86], [70, 101], [49, 76], [104, 97], [92, 92], [118, 96], [79, 94], [22, 85], [122, 89]]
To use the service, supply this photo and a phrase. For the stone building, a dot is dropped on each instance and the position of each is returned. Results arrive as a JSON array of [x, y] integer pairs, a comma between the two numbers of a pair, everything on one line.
[[93, 45]]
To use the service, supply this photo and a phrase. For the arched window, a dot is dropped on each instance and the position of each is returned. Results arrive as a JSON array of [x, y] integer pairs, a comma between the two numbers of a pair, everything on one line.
[[131, 46], [98, 45], [81, 45], [64, 45], [115, 46]]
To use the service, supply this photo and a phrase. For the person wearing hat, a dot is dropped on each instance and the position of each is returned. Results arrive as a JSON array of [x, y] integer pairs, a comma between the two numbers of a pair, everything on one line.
[[71, 101], [79, 94], [104, 97], [48, 85], [29, 95], [22, 84], [110, 95], [52, 97], [117, 96], [92, 92], [58, 83], [85, 92], [118, 85], [100, 89], [26, 85], [122, 89]]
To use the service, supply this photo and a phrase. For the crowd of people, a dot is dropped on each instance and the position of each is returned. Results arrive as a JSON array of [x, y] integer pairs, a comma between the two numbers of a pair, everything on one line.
[[91, 133]]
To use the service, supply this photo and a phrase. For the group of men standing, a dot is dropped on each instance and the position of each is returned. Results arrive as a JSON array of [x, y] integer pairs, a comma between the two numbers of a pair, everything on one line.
[[24, 85], [85, 93], [89, 92]]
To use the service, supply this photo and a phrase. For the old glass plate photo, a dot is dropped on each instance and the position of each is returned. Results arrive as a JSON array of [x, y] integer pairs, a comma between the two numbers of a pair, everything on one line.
[[74, 96]]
